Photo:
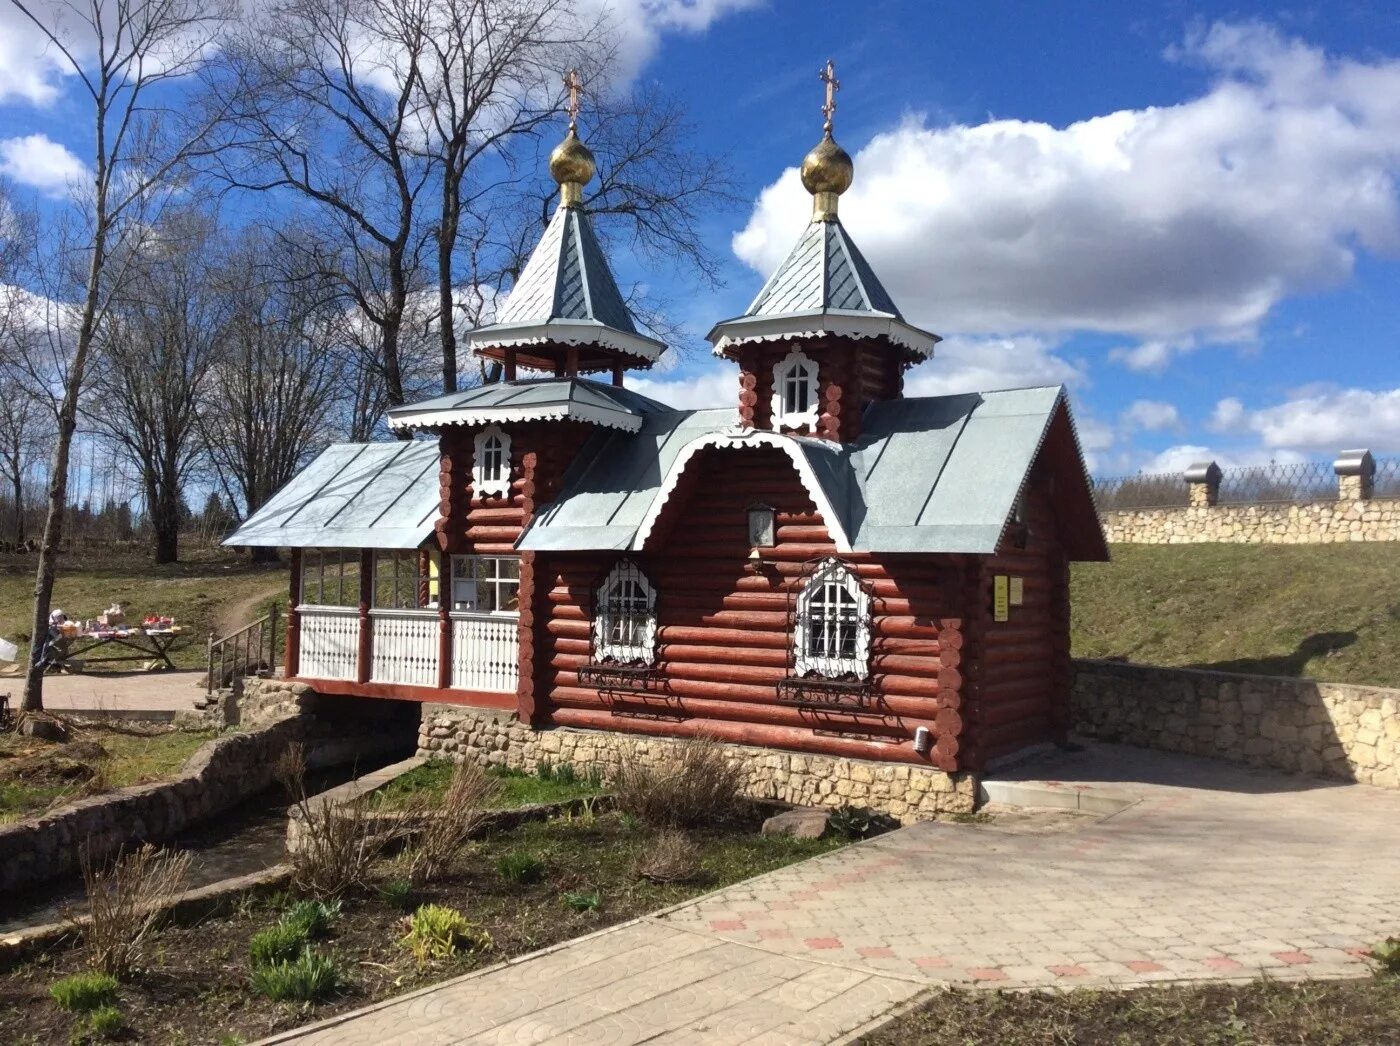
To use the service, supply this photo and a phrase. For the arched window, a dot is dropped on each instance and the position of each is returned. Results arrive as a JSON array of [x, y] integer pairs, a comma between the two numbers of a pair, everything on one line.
[[794, 391], [491, 462], [833, 624], [624, 625]]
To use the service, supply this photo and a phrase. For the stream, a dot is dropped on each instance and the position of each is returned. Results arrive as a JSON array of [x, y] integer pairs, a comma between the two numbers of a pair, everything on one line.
[[242, 839]]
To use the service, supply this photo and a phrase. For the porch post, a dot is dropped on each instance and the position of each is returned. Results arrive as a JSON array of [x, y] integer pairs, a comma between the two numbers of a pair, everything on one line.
[[364, 655], [291, 652], [444, 678]]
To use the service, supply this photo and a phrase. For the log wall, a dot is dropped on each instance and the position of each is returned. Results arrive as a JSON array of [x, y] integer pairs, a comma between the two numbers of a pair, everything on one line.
[[851, 373]]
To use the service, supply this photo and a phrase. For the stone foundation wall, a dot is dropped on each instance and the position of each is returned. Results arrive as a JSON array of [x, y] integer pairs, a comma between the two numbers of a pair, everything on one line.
[[268, 700], [1328, 729], [907, 792], [1323, 522]]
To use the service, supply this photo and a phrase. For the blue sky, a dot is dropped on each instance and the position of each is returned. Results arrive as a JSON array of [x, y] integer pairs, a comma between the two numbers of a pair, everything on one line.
[[1188, 212]]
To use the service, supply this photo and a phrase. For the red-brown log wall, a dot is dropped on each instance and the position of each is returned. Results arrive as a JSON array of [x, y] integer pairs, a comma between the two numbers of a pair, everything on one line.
[[724, 628], [850, 374], [1020, 689]]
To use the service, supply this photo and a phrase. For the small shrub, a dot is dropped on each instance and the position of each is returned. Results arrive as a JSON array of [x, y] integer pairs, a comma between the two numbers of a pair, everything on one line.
[[106, 1022], [565, 774], [398, 893], [583, 900], [858, 822], [443, 828], [283, 941], [520, 868], [438, 932], [595, 778], [127, 900], [544, 770], [671, 858], [629, 822], [84, 991], [699, 785], [314, 918], [306, 978], [1387, 954], [338, 845]]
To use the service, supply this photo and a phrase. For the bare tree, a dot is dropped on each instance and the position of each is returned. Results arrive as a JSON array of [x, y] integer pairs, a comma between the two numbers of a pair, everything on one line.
[[121, 53], [277, 392], [26, 433], [160, 343], [328, 105]]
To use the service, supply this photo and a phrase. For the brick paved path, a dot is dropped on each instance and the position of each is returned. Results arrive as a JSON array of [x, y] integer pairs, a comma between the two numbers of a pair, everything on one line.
[[1238, 873]]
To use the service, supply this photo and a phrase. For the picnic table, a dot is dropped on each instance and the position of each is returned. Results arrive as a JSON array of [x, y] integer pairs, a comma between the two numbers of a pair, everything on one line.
[[149, 644]]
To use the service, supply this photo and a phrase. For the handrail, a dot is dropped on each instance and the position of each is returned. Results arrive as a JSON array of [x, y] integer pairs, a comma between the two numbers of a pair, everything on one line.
[[251, 641]]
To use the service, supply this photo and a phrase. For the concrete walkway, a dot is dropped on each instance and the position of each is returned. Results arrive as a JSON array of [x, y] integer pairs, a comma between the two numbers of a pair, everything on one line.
[[115, 691], [1206, 871]]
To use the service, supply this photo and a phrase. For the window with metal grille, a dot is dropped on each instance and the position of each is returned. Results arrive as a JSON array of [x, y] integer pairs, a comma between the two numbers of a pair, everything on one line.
[[486, 584], [794, 391], [624, 624], [491, 462], [832, 636]]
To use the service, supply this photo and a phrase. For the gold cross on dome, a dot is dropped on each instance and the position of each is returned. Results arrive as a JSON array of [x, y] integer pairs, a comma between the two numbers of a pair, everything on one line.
[[575, 88], [828, 77]]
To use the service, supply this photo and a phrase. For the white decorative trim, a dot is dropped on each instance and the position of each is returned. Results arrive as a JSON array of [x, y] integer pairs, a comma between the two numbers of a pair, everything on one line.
[[499, 484], [566, 332], [789, 445], [833, 572], [782, 370], [748, 330], [604, 649], [613, 419]]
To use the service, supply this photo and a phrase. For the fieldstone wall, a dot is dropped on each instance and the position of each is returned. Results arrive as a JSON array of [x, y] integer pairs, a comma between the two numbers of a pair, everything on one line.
[[1298, 725], [267, 700], [497, 738], [1322, 522]]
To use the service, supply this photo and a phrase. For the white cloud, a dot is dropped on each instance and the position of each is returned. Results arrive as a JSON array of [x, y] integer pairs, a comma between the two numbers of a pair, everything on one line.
[[1324, 420], [966, 364], [1171, 224], [40, 162], [1154, 356], [1227, 416], [716, 386], [1151, 416]]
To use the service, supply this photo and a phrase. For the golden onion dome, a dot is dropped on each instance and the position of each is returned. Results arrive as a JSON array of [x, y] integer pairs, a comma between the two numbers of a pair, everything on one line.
[[827, 168], [571, 165]]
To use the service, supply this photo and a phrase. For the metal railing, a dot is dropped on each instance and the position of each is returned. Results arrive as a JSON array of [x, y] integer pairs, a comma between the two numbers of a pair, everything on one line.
[[1146, 490], [254, 648]]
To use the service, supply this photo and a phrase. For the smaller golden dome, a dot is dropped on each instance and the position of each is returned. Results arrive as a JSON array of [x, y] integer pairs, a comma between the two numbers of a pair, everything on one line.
[[572, 161], [827, 168]]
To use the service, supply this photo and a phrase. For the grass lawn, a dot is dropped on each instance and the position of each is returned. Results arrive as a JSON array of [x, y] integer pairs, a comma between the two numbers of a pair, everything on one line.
[[201, 593], [514, 788], [35, 774], [1328, 612], [196, 989], [1319, 1013]]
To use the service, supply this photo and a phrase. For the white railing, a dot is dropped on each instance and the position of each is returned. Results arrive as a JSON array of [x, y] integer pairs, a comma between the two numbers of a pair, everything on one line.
[[330, 641], [404, 646], [485, 651]]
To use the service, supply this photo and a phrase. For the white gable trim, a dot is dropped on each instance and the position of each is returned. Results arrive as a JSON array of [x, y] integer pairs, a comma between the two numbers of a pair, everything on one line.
[[739, 437], [565, 332], [607, 417], [746, 330]]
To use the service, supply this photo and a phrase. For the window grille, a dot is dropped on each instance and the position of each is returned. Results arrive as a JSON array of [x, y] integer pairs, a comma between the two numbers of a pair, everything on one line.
[[491, 462], [624, 624], [486, 584], [832, 637], [795, 391]]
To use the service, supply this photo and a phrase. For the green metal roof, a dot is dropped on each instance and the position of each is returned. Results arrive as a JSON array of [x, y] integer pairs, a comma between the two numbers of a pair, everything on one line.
[[533, 399]]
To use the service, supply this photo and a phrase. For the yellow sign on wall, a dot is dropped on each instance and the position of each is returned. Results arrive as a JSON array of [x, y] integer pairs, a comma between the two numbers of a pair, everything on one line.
[[1018, 591], [1001, 597]]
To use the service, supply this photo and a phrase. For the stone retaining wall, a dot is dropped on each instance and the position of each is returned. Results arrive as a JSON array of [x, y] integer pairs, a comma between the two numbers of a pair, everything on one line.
[[498, 739], [1323, 522], [1298, 725]]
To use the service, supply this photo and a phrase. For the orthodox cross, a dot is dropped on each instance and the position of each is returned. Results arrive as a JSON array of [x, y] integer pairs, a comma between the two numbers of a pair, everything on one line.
[[575, 88], [828, 77]]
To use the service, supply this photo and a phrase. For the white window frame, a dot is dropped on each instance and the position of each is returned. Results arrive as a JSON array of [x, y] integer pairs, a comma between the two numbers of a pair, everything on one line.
[[824, 624], [495, 480], [624, 616], [782, 377], [475, 571]]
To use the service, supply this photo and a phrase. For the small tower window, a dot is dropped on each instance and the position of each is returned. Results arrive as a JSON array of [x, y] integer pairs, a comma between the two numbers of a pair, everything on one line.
[[624, 626], [491, 464], [833, 624], [795, 391]]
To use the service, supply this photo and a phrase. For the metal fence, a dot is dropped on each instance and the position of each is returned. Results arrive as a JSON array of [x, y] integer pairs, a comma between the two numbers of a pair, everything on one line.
[[1298, 483]]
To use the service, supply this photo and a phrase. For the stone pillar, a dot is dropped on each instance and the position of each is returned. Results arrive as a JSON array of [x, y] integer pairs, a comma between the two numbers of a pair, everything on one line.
[[1203, 482], [1356, 475]]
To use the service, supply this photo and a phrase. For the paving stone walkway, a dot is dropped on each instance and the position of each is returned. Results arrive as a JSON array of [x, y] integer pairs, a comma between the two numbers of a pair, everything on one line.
[[1207, 872]]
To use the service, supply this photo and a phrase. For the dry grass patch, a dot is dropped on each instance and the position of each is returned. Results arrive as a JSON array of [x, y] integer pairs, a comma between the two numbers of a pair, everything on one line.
[[698, 785], [127, 900]]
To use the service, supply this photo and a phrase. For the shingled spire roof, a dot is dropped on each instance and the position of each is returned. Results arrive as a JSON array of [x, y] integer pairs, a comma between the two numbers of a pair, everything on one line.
[[565, 312]]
